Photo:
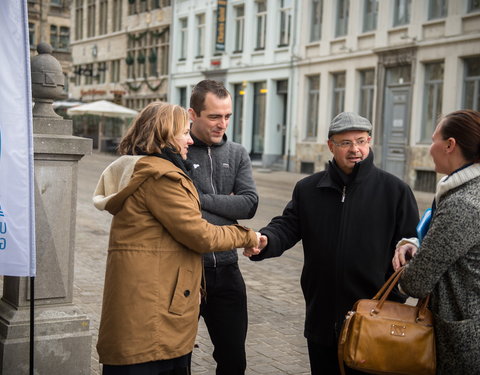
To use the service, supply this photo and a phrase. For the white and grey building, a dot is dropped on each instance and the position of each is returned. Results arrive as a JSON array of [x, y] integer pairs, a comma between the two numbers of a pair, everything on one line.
[[293, 65], [256, 61], [401, 63]]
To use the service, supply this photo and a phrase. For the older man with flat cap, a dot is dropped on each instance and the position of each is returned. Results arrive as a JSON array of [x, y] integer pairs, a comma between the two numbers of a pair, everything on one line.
[[349, 218]]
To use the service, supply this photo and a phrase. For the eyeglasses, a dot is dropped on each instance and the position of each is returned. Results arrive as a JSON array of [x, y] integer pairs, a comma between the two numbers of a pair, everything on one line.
[[347, 144]]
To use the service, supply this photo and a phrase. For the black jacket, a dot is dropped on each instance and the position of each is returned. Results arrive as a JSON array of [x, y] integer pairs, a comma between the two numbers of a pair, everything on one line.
[[349, 232], [222, 174]]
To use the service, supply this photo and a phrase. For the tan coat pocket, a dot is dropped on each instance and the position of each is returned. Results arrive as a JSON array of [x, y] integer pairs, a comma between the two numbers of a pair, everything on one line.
[[183, 293]]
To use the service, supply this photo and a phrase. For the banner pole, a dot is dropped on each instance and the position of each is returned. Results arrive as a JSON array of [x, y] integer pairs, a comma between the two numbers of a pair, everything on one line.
[[32, 324]]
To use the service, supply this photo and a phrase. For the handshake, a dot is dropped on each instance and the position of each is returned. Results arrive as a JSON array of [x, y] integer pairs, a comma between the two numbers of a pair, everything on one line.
[[262, 243]]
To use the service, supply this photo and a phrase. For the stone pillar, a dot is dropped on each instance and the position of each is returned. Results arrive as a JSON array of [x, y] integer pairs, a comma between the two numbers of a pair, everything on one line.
[[62, 336]]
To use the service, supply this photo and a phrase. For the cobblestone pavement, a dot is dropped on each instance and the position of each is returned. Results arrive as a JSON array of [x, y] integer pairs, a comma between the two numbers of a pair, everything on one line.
[[275, 342]]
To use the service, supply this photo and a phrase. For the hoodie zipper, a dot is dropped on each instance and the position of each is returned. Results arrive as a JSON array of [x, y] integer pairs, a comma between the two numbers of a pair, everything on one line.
[[344, 193], [209, 151], [211, 169]]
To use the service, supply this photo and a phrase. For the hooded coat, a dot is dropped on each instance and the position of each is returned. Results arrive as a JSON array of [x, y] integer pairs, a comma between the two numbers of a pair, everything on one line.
[[154, 265]]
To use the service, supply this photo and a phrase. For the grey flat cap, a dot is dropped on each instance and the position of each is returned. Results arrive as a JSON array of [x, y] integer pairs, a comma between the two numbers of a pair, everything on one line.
[[347, 121]]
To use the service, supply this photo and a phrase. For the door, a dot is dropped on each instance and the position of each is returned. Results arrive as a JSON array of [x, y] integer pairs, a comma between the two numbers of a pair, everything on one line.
[[238, 113], [396, 122], [282, 92], [259, 107]]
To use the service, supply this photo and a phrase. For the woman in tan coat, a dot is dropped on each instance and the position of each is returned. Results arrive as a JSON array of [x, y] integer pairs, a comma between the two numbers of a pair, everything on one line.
[[154, 265]]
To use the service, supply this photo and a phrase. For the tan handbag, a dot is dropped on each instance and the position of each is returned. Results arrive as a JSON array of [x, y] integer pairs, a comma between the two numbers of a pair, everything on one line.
[[386, 337]]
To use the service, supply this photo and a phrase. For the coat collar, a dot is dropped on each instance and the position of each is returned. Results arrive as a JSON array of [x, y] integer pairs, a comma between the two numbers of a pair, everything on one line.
[[334, 177], [456, 179], [198, 143]]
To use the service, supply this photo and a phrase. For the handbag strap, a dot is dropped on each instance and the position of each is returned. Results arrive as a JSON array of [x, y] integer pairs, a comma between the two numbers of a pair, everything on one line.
[[390, 283], [387, 288], [422, 305]]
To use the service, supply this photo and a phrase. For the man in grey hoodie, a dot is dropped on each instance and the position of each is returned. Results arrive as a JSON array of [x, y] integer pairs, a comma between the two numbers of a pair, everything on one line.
[[222, 173]]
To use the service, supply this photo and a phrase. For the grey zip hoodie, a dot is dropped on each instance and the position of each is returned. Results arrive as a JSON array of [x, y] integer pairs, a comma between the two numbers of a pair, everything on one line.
[[222, 174]]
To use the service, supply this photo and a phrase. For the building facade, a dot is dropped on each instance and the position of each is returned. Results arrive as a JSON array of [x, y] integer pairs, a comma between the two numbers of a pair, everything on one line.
[[291, 66], [401, 63], [120, 50], [250, 46], [49, 21]]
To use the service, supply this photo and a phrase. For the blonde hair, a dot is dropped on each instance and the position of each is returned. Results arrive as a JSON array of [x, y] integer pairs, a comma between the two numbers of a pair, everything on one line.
[[154, 128]]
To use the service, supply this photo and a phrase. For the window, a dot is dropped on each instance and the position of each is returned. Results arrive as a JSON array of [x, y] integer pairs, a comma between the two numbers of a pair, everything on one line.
[[239, 27], [78, 19], [437, 9], [31, 34], [115, 71], [143, 6], [312, 106], [471, 94], [473, 6], [285, 22], [153, 58], [91, 9], [57, 3], [88, 72], [155, 4], [259, 114], [103, 17], [132, 7], [338, 93], [401, 12], [432, 99], [183, 38], [367, 89], [261, 24], [162, 3], [117, 15], [238, 112], [164, 47], [182, 96], [64, 39], [136, 55], [316, 20], [78, 75], [213, 37], [370, 12], [59, 37], [341, 28], [101, 72], [53, 37], [425, 181], [147, 54], [200, 45], [401, 75]]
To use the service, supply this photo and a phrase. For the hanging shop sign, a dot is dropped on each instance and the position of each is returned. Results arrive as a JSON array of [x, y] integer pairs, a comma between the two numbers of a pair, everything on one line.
[[221, 17]]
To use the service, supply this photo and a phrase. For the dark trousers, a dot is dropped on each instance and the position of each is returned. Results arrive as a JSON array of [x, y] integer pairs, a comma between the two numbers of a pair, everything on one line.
[[176, 366], [128, 370], [224, 311], [324, 360]]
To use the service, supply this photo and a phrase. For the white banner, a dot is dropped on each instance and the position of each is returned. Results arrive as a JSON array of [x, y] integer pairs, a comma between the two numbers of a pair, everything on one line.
[[17, 219]]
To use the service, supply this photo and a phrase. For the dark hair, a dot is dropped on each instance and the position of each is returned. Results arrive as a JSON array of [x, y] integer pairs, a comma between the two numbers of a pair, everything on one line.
[[200, 91], [154, 129], [464, 126]]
